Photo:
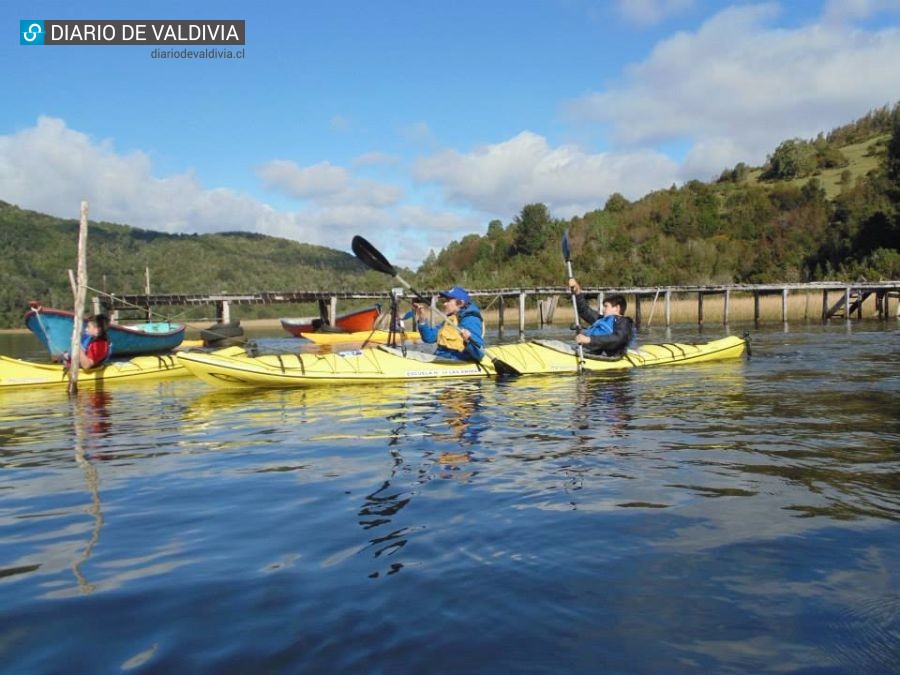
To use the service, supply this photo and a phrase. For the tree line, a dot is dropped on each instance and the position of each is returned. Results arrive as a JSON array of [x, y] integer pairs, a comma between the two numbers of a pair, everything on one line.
[[775, 223]]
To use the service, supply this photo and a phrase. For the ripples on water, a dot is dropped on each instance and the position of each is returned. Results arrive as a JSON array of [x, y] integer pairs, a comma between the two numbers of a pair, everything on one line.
[[730, 517]]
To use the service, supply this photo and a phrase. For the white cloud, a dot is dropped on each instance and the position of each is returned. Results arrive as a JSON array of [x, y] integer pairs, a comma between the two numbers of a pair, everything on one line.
[[51, 168], [849, 10], [308, 182], [501, 178], [649, 12], [375, 159], [738, 83], [326, 184]]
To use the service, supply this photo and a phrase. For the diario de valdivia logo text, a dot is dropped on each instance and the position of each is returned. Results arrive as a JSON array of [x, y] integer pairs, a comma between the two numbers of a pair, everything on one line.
[[131, 32], [31, 32]]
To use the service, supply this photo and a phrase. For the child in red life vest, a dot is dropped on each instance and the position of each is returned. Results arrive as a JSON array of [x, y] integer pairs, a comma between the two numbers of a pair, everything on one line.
[[95, 347]]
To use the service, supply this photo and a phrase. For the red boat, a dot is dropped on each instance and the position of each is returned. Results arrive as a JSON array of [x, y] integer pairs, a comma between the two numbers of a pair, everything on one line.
[[351, 322]]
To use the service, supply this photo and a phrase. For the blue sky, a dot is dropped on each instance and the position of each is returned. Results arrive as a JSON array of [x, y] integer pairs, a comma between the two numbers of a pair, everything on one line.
[[417, 123]]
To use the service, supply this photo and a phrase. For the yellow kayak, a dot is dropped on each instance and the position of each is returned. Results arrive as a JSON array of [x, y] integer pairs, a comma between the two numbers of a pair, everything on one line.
[[19, 374], [379, 337], [541, 357], [388, 364]]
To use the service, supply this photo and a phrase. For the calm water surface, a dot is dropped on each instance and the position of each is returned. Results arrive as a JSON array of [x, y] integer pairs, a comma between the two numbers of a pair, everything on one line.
[[731, 517]]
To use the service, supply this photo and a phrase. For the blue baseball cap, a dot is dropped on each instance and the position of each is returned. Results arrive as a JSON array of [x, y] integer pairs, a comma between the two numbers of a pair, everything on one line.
[[457, 293]]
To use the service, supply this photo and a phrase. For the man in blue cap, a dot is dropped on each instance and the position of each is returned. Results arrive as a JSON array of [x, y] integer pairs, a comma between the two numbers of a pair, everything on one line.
[[461, 336]]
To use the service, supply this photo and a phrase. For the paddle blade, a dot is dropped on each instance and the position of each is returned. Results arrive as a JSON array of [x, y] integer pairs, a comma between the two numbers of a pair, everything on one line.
[[565, 246], [503, 369], [371, 256]]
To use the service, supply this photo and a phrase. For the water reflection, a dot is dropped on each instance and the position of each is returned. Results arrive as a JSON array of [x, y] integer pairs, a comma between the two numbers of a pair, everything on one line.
[[91, 423], [440, 429]]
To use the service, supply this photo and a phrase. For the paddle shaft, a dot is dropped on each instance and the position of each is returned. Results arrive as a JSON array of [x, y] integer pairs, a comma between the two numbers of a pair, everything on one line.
[[579, 350]]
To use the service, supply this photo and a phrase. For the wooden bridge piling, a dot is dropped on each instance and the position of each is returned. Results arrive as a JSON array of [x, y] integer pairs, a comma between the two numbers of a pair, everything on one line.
[[668, 307], [522, 297]]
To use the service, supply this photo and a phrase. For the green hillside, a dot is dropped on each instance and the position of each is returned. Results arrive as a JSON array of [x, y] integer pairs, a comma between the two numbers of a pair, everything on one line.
[[39, 249], [825, 208], [862, 159]]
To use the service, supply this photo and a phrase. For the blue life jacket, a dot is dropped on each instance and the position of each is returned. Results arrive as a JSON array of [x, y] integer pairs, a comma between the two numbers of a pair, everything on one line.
[[602, 326]]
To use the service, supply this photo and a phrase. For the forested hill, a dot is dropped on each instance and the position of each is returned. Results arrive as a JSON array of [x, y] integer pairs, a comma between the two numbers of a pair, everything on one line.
[[825, 208], [38, 249]]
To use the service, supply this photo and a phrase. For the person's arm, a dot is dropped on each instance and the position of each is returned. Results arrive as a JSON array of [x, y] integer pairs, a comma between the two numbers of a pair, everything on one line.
[[474, 341], [585, 311], [428, 333], [616, 341]]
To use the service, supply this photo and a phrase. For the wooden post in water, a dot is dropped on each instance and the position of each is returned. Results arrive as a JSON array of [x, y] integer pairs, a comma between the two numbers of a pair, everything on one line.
[[700, 308], [332, 310], [668, 307], [79, 285], [755, 306], [637, 309], [847, 303], [521, 315], [784, 305], [726, 310], [501, 305], [824, 304], [653, 307], [149, 312]]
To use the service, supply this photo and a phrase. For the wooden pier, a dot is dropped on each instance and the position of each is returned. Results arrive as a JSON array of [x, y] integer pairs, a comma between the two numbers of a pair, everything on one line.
[[840, 300]]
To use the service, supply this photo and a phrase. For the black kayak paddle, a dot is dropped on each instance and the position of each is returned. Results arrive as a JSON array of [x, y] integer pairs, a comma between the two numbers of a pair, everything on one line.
[[579, 350]]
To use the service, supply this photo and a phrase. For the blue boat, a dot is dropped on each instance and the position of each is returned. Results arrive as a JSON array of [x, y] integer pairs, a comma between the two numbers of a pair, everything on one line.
[[53, 327]]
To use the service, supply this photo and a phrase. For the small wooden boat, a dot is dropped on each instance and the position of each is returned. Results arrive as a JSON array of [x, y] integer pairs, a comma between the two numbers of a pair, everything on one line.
[[53, 327], [351, 322]]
